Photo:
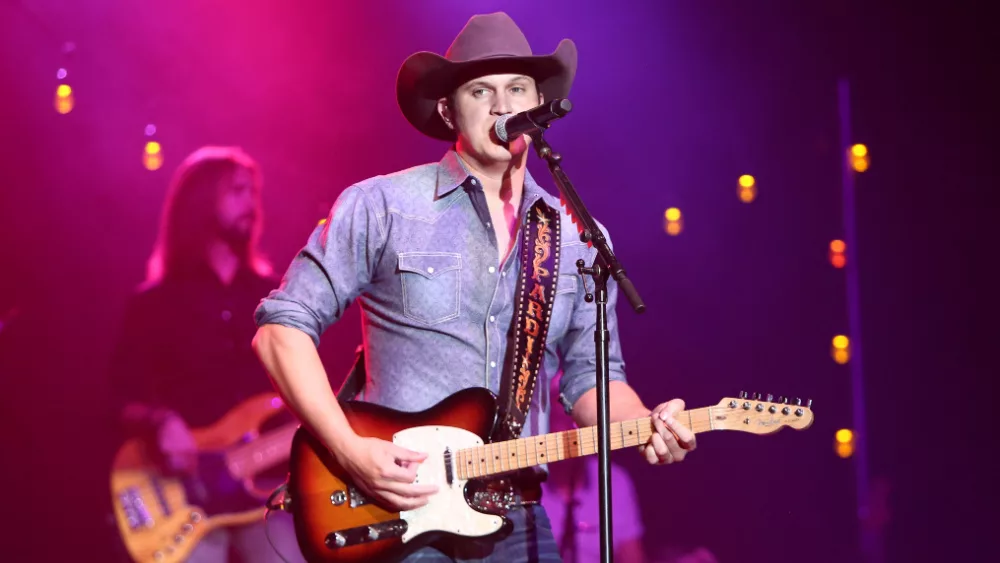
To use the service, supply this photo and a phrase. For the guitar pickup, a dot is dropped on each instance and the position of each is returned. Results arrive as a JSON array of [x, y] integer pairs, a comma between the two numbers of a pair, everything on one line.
[[365, 534]]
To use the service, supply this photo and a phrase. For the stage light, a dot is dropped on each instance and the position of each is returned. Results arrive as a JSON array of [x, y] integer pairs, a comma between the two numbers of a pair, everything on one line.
[[747, 188], [152, 156], [844, 436], [673, 223], [64, 100], [837, 256], [841, 356], [840, 349], [844, 450], [859, 157], [843, 442]]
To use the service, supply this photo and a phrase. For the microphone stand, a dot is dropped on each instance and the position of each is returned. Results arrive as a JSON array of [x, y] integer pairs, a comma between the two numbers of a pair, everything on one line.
[[605, 265]]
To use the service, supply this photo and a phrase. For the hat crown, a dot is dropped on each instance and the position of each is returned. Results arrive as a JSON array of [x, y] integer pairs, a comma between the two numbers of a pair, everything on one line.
[[486, 36]]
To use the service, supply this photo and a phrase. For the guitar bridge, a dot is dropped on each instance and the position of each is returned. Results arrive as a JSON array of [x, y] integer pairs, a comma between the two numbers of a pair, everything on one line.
[[366, 534], [449, 472]]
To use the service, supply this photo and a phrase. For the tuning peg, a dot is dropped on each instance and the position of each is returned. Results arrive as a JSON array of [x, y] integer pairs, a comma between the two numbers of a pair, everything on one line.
[[756, 396], [743, 394], [770, 397], [809, 404], [784, 400], [798, 402]]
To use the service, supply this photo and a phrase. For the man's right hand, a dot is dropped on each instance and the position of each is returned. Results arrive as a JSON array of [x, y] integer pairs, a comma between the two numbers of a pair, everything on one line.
[[385, 471], [180, 453]]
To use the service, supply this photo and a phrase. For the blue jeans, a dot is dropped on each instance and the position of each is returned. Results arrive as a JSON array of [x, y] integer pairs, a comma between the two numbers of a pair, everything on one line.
[[530, 541]]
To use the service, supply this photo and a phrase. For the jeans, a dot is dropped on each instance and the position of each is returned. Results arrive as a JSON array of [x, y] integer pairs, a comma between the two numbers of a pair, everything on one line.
[[530, 541]]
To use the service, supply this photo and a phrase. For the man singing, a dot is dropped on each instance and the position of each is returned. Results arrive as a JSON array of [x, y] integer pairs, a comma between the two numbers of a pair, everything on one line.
[[433, 255]]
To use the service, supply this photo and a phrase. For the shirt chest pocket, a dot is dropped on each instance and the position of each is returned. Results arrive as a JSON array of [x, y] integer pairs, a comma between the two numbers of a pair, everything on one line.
[[431, 285]]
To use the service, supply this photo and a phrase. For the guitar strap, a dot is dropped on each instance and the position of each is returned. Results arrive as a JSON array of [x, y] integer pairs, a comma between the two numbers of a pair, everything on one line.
[[535, 295], [354, 384]]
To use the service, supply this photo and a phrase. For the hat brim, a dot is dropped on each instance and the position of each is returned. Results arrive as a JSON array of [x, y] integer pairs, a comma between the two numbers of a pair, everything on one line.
[[424, 78]]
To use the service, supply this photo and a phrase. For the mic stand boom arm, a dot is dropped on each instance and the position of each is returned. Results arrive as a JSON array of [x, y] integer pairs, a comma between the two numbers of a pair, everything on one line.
[[605, 265]]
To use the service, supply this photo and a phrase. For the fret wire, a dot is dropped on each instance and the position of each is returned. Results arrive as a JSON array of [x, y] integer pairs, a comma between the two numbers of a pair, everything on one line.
[[503, 456]]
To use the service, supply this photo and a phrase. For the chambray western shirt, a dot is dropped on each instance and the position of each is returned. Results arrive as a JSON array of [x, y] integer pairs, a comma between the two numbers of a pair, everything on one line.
[[417, 251]]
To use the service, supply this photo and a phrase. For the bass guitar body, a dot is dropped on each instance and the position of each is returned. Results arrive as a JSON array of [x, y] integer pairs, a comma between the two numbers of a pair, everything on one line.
[[160, 517]]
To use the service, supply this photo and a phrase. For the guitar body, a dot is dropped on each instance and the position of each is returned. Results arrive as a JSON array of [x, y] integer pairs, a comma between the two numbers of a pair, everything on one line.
[[336, 523], [161, 517], [325, 502]]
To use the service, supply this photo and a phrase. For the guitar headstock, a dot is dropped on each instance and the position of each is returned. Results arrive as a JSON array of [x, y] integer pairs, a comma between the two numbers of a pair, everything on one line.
[[752, 413]]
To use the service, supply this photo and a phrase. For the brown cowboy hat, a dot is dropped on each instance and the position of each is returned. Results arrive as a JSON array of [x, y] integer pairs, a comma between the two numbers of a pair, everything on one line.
[[488, 44]]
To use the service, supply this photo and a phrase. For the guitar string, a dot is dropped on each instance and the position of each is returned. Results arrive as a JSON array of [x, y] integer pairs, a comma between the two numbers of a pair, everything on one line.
[[555, 443]]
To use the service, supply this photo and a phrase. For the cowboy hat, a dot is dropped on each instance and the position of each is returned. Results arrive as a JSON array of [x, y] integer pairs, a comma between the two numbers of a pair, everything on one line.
[[488, 44]]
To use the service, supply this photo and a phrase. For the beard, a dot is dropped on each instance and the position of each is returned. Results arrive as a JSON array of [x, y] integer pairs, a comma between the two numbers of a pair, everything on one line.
[[238, 233]]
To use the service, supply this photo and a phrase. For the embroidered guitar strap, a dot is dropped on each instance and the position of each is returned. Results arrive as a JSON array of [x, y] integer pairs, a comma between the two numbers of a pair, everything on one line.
[[535, 295]]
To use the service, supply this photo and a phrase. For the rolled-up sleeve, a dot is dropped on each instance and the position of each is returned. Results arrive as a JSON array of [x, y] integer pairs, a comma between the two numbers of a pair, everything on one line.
[[577, 349], [331, 270]]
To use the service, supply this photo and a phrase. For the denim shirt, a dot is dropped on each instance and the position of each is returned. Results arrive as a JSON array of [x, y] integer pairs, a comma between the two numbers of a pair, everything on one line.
[[417, 251]]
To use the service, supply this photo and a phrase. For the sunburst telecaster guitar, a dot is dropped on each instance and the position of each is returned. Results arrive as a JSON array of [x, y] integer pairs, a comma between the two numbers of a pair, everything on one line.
[[335, 522], [162, 517]]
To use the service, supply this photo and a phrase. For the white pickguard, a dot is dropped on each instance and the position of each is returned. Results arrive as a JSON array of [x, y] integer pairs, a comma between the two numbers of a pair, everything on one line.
[[447, 510]]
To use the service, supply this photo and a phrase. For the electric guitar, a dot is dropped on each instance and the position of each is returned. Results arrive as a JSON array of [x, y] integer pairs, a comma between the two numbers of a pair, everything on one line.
[[335, 522], [161, 518]]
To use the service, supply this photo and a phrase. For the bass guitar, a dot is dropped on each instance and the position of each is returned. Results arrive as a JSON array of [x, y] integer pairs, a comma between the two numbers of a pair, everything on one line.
[[162, 517], [336, 523]]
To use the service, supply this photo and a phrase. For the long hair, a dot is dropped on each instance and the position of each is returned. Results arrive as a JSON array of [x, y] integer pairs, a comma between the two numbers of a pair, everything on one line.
[[189, 217]]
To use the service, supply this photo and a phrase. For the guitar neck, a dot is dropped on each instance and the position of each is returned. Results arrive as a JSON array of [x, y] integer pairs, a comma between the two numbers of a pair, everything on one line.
[[510, 455], [262, 453]]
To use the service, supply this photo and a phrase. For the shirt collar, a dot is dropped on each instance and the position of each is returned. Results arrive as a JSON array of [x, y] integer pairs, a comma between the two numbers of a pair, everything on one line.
[[452, 173]]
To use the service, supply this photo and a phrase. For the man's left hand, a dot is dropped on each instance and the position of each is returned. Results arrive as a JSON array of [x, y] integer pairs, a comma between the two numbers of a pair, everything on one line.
[[672, 440]]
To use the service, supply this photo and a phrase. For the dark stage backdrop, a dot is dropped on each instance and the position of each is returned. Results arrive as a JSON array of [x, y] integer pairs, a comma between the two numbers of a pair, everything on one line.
[[673, 102]]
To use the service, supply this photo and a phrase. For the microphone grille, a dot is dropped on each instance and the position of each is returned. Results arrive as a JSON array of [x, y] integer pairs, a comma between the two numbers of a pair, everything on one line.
[[500, 128]]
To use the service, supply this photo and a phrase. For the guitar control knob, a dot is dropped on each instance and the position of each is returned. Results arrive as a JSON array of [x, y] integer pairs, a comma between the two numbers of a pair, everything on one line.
[[195, 517], [186, 527], [338, 540], [372, 533]]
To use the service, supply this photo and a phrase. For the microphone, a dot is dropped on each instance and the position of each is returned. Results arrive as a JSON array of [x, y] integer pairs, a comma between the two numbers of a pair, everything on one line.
[[510, 127]]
